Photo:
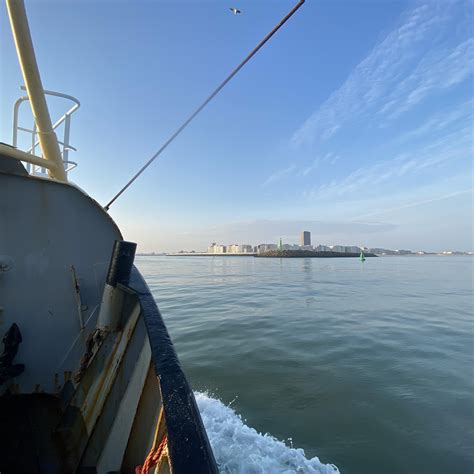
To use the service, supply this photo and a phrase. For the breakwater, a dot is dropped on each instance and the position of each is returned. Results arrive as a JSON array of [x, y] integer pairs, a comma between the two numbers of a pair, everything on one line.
[[309, 254], [275, 254], [205, 254]]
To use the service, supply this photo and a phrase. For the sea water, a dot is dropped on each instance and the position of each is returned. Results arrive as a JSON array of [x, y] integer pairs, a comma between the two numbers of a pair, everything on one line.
[[301, 365]]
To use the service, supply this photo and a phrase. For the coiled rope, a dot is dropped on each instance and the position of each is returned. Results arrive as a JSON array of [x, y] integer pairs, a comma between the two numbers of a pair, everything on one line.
[[154, 457]]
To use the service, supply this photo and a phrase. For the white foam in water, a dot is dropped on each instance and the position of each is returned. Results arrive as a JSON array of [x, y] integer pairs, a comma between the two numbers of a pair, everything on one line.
[[239, 449]]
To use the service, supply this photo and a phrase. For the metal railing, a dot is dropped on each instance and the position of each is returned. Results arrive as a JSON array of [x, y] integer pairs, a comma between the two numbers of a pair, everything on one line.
[[34, 168]]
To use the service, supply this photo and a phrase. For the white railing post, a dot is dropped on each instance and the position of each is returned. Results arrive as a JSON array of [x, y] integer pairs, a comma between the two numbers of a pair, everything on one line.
[[66, 119], [67, 126]]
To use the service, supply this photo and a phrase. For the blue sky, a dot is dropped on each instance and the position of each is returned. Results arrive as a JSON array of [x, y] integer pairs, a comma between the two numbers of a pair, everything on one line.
[[354, 122]]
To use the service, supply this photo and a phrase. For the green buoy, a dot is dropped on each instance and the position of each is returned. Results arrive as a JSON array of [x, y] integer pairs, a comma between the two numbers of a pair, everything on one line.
[[362, 256]]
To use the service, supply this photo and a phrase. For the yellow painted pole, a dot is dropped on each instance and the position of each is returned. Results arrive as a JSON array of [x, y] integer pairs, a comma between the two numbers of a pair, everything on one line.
[[26, 56], [14, 153]]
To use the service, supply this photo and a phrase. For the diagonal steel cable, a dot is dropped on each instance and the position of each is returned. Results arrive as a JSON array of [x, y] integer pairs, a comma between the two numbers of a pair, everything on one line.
[[213, 94]]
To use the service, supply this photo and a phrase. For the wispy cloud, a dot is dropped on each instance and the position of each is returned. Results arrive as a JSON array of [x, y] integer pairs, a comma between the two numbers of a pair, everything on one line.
[[400, 127], [416, 203], [278, 175], [439, 69], [447, 149], [328, 158], [442, 122], [413, 61]]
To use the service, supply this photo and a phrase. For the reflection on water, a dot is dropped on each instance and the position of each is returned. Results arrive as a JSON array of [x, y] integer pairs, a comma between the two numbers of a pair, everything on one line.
[[365, 365]]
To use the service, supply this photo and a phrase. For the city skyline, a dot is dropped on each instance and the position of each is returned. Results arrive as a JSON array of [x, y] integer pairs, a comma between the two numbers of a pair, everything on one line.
[[327, 233], [354, 122], [220, 248]]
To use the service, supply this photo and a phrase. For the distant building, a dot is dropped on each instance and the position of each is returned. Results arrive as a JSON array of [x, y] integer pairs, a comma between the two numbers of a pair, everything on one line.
[[353, 249], [245, 248], [382, 251], [322, 248], [305, 238], [390, 252], [345, 248], [235, 248], [232, 248], [215, 248], [265, 247]]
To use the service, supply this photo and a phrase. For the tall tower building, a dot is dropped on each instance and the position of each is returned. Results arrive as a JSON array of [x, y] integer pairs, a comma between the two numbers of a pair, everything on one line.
[[305, 238]]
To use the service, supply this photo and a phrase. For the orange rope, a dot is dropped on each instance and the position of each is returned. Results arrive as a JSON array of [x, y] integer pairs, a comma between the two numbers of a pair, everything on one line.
[[153, 457]]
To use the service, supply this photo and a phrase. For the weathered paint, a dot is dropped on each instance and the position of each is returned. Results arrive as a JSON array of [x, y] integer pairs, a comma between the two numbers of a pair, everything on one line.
[[188, 444], [46, 227], [110, 458], [104, 393], [144, 424], [120, 266], [77, 291]]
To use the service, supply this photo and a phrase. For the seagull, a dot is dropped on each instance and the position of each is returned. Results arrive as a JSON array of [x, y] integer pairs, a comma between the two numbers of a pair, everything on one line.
[[235, 11]]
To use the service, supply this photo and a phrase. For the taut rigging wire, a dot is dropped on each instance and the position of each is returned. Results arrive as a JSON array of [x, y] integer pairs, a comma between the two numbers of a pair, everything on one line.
[[196, 112]]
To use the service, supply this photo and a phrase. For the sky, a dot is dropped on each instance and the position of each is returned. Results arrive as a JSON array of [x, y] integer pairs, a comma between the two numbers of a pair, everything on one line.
[[354, 122]]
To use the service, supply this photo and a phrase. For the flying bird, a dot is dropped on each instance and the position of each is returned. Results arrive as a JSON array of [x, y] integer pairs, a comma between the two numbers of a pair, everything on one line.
[[235, 11]]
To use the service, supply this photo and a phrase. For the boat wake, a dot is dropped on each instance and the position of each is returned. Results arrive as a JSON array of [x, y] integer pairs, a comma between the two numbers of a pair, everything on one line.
[[239, 449]]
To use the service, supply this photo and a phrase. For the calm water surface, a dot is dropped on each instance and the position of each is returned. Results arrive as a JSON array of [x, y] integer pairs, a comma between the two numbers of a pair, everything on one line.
[[368, 366]]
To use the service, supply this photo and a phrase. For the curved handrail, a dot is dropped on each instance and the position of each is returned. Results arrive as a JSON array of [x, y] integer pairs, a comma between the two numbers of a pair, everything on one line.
[[56, 124], [73, 163], [65, 118], [59, 94]]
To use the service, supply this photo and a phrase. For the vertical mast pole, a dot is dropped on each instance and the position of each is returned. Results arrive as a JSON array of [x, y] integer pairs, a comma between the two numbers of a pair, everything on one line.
[[29, 68]]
